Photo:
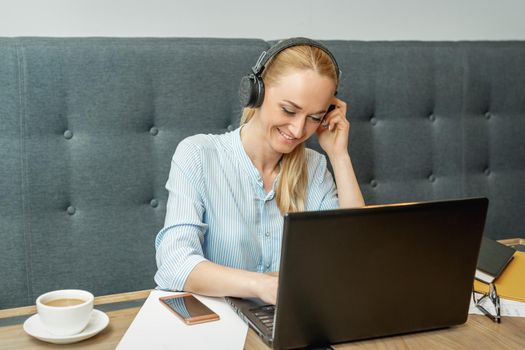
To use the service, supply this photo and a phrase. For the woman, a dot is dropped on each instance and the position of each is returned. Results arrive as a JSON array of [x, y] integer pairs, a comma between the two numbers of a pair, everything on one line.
[[228, 193]]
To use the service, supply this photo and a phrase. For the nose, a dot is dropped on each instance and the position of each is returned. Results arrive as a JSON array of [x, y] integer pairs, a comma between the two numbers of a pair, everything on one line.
[[297, 127]]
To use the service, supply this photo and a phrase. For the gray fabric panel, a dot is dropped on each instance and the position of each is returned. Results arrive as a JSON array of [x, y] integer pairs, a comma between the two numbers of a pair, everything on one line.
[[404, 106], [438, 120], [13, 276], [106, 116], [494, 132]]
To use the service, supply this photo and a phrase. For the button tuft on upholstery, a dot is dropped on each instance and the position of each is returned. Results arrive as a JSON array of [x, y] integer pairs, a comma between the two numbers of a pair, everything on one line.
[[230, 127], [432, 117], [71, 210], [154, 203], [488, 115], [487, 171], [373, 183], [154, 131], [432, 178], [68, 134], [373, 120]]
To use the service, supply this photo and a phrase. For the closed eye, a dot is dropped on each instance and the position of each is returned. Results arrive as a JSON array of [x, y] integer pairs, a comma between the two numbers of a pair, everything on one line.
[[315, 118], [287, 111]]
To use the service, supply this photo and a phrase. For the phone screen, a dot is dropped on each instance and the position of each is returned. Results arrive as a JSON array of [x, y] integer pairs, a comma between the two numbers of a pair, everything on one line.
[[189, 308]]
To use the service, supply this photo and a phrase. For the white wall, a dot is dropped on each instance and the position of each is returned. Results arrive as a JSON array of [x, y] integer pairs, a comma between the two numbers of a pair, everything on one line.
[[268, 19]]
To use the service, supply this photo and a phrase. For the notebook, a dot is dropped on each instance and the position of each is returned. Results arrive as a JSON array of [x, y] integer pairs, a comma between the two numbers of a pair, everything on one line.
[[492, 260], [352, 274]]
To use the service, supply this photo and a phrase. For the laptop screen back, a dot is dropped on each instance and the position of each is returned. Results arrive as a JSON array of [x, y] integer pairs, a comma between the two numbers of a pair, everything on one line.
[[352, 274]]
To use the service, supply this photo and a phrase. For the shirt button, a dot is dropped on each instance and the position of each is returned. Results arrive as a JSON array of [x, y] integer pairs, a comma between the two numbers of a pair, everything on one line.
[[268, 266], [267, 234]]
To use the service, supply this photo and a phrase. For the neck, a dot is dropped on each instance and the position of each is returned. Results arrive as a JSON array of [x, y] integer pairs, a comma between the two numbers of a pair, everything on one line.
[[258, 150]]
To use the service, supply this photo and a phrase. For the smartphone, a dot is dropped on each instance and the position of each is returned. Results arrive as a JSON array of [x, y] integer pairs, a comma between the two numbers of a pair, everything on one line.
[[189, 309]]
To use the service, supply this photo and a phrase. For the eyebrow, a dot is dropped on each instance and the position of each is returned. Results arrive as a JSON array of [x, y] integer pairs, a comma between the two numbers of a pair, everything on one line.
[[300, 108]]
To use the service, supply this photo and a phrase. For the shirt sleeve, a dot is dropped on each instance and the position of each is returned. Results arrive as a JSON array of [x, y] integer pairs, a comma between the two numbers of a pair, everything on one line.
[[179, 244], [322, 192]]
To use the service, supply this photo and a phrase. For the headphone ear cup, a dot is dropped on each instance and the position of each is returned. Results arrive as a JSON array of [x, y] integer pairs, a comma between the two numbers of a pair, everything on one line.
[[246, 90], [259, 95], [251, 91]]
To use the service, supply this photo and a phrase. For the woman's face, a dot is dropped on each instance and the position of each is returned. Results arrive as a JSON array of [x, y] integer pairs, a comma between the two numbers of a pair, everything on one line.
[[294, 107]]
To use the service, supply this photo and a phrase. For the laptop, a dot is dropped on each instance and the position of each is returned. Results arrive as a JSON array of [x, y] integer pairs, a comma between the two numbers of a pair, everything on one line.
[[353, 274]]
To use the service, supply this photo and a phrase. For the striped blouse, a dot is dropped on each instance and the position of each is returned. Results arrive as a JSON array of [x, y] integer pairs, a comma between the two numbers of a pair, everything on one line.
[[218, 209]]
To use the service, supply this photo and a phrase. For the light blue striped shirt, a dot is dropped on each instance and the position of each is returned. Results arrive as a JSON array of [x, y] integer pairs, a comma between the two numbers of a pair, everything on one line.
[[218, 209]]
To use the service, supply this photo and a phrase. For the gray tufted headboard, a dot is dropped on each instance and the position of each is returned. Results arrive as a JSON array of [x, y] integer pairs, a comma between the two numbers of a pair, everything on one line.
[[88, 128]]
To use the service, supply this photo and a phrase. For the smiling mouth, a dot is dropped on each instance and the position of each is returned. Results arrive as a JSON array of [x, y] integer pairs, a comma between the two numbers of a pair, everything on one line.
[[287, 137]]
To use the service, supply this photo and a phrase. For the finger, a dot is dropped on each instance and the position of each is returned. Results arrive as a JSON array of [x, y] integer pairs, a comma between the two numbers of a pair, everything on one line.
[[330, 115], [336, 121], [336, 104], [328, 123], [339, 104]]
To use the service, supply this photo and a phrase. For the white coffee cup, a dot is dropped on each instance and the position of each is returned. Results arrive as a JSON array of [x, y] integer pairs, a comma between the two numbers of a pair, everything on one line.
[[65, 312]]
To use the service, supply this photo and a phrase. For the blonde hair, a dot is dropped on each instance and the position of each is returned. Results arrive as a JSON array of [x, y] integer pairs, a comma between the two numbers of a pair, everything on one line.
[[291, 188]]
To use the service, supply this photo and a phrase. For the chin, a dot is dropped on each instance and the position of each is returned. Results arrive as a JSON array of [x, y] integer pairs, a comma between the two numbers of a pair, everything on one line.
[[279, 147]]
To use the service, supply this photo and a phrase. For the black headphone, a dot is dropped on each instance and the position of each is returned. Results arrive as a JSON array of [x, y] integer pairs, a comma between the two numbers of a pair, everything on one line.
[[251, 91]]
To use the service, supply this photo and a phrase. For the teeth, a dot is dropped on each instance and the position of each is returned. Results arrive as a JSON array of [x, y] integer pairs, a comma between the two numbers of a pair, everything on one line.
[[285, 136]]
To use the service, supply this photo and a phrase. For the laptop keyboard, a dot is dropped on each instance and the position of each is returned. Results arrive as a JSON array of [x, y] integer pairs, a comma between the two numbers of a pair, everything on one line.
[[265, 315]]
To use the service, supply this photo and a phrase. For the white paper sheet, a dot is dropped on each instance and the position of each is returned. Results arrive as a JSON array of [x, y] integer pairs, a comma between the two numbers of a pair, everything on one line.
[[507, 308], [155, 327]]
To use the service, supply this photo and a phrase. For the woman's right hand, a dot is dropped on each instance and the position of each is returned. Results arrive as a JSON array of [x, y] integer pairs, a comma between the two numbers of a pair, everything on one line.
[[266, 287]]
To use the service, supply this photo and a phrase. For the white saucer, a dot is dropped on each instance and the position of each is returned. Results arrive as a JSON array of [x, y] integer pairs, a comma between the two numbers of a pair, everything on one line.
[[33, 326]]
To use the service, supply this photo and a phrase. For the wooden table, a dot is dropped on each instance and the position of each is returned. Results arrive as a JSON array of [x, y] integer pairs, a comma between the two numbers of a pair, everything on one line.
[[479, 332]]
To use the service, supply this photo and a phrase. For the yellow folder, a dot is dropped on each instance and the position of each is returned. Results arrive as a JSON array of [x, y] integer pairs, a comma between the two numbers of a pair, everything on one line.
[[511, 283]]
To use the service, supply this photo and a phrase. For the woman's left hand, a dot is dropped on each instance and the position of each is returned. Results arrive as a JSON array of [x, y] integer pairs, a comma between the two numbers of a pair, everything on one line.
[[334, 130]]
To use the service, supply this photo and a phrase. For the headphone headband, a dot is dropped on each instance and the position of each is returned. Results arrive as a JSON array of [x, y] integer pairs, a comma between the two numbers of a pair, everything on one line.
[[283, 45]]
